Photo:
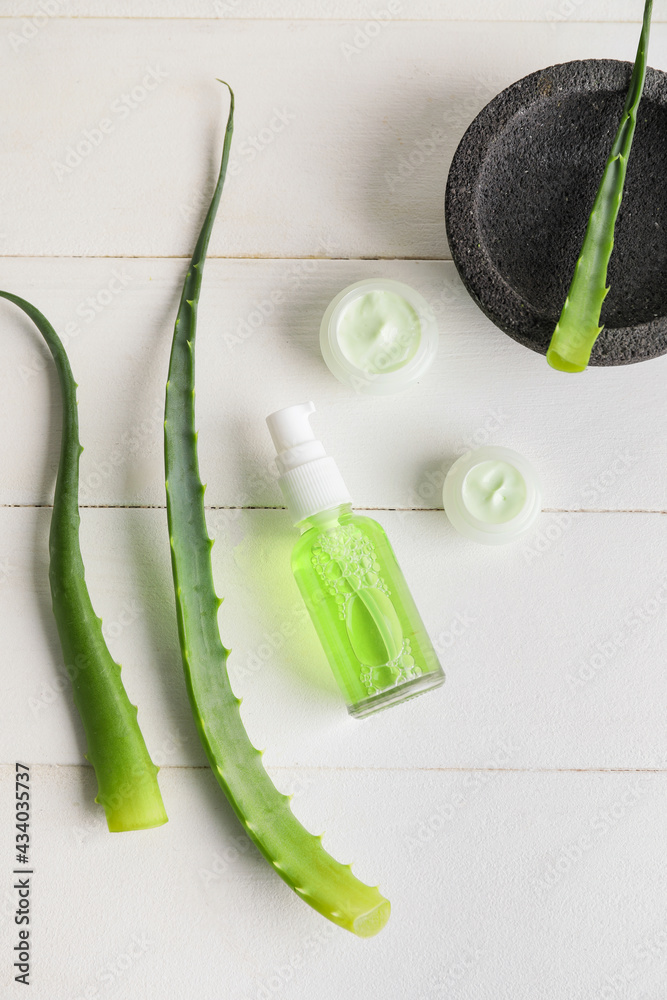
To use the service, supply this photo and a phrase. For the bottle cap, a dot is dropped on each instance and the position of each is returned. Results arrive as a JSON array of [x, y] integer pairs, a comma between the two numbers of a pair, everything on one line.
[[309, 480], [492, 495]]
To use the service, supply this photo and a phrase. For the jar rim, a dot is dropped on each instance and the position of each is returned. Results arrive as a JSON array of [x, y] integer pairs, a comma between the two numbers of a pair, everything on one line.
[[379, 383]]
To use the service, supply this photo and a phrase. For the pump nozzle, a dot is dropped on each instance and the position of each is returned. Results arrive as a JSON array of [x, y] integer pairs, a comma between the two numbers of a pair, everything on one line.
[[291, 426], [309, 479], [293, 437]]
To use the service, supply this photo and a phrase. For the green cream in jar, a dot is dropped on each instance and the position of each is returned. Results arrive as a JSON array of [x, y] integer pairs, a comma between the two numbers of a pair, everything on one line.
[[494, 491], [492, 495], [379, 332], [378, 336]]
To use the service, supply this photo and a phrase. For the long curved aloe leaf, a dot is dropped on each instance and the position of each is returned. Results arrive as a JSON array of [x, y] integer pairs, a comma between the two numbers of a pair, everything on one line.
[[579, 325], [126, 775], [297, 856]]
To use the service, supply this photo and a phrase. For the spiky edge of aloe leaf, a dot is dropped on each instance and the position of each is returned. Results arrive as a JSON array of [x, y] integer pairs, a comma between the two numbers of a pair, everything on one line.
[[297, 856], [579, 325], [126, 775]]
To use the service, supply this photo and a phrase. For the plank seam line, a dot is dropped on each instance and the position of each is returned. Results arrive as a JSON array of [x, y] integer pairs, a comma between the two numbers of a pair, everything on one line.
[[310, 20], [391, 770], [407, 510], [212, 256]]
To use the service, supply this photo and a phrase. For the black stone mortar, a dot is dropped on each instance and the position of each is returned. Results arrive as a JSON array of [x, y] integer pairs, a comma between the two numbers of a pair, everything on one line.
[[520, 190]]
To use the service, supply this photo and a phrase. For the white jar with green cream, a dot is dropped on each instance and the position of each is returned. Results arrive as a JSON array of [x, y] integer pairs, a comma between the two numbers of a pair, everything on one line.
[[378, 336], [492, 495]]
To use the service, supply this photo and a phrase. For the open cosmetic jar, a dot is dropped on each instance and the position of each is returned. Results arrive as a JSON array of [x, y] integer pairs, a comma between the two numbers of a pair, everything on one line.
[[378, 336], [492, 495]]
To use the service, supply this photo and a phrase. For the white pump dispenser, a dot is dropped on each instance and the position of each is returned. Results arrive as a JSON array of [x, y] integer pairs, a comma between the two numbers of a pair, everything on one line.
[[309, 480]]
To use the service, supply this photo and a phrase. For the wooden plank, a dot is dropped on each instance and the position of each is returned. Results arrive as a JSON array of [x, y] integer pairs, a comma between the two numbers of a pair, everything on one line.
[[593, 444], [342, 146], [553, 651], [522, 870], [553, 11]]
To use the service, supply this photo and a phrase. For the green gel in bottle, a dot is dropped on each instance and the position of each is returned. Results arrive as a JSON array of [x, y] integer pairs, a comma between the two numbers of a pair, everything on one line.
[[351, 583]]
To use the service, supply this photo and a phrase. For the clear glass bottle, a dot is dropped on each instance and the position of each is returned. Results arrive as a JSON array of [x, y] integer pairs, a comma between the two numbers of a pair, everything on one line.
[[354, 590]]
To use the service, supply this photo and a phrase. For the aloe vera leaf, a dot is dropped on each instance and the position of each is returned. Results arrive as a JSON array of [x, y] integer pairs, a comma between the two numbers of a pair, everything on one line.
[[579, 325], [265, 814], [126, 775]]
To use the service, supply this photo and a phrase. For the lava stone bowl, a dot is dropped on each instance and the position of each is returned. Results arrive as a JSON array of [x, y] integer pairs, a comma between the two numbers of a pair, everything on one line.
[[520, 190]]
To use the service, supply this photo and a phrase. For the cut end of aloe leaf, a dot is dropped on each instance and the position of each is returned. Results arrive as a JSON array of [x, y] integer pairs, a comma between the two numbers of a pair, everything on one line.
[[572, 342], [138, 808], [578, 327], [125, 820], [563, 364], [368, 924]]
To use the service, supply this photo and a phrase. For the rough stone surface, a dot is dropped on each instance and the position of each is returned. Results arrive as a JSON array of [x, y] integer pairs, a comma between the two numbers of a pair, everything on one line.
[[519, 193]]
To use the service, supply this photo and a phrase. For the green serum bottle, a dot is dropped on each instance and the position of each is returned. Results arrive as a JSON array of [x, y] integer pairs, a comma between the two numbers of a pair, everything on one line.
[[356, 595]]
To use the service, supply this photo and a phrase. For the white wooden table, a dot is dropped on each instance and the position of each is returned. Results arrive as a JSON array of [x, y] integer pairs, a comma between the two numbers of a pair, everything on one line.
[[517, 818]]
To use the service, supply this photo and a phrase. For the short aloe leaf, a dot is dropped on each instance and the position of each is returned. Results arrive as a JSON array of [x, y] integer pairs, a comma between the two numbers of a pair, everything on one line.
[[126, 775], [579, 325]]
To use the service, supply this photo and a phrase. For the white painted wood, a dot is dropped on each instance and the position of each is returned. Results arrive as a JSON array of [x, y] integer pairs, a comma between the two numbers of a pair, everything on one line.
[[552, 647], [529, 880], [599, 441], [516, 817], [553, 11], [333, 121]]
